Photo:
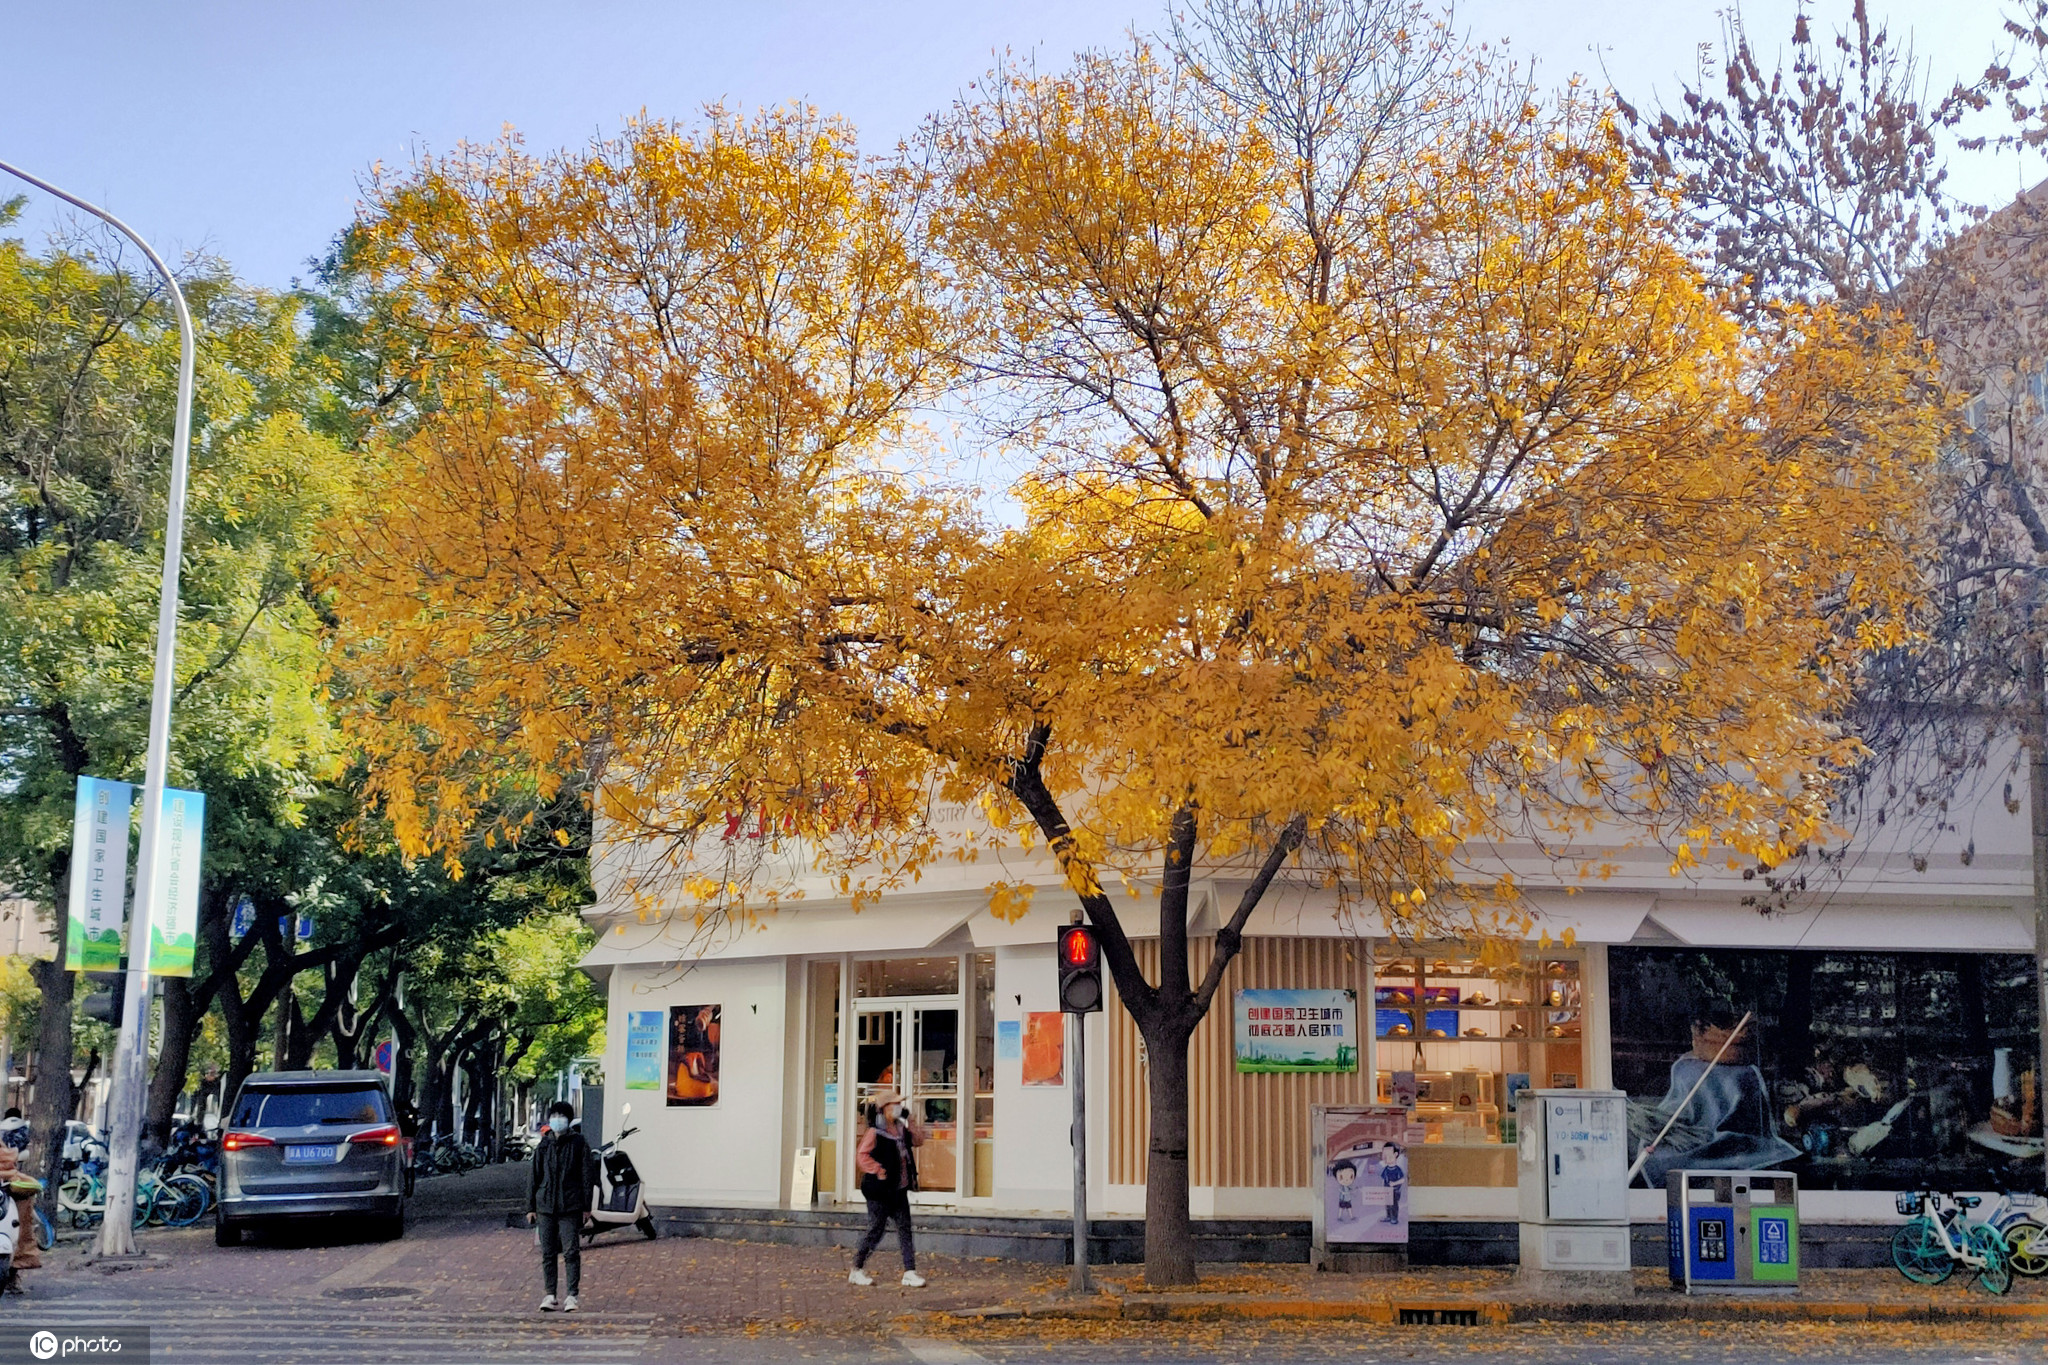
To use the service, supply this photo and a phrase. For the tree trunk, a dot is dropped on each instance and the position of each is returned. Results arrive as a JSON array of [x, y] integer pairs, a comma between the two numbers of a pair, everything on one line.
[[174, 1053], [1167, 1013], [1169, 1228], [54, 1097]]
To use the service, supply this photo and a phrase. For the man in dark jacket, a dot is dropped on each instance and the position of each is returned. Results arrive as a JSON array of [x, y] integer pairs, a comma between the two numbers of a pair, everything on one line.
[[557, 1198]]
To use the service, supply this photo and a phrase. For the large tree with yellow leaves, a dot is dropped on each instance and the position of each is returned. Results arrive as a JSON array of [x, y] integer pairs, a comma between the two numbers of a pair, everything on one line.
[[1389, 481]]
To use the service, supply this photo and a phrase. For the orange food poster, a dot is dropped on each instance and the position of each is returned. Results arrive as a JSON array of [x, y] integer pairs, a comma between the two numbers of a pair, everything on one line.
[[693, 1054], [1045, 1048]]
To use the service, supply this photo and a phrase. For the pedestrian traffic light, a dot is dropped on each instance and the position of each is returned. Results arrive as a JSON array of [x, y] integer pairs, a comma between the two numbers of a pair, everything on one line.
[[1080, 970]]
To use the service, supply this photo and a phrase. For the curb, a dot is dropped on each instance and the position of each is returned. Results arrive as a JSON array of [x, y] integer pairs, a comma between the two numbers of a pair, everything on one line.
[[1499, 1312]]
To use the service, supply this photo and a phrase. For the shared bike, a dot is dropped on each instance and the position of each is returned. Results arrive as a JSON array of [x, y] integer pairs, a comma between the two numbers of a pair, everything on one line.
[[1939, 1236]]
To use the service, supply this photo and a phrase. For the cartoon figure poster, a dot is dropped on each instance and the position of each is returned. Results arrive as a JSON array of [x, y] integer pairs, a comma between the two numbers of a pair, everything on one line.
[[693, 1055], [1365, 1176]]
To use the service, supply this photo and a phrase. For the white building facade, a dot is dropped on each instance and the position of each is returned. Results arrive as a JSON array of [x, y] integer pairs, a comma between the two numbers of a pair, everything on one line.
[[1891, 1043]]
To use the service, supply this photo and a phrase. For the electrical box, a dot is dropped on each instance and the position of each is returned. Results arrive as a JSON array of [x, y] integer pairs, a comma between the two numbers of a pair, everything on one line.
[[1732, 1231], [1572, 1174]]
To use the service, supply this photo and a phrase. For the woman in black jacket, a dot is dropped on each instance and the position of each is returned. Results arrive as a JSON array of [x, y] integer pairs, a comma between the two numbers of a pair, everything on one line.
[[557, 1198]]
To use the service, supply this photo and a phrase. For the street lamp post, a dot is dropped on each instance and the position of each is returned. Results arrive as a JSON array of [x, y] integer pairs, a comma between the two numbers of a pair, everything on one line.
[[131, 1055]]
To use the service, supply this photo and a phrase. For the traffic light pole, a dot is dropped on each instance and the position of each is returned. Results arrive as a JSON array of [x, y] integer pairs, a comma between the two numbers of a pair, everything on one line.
[[1078, 1283]]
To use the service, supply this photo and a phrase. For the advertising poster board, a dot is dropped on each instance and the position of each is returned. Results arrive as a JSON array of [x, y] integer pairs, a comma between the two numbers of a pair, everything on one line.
[[693, 1055], [643, 1049], [1297, 1030], [1361, 1166], [1045, 1048]]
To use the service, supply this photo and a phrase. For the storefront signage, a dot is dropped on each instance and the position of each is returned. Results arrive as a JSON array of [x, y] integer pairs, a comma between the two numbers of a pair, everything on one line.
[[643, 1049], [99, 875], [693, 1032], [1297, 1030], [1362, 1159], [174, 924], [1867, 1070]]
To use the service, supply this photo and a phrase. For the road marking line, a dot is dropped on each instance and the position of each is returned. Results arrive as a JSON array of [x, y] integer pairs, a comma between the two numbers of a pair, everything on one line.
[[932, 1351], [365, 1268]]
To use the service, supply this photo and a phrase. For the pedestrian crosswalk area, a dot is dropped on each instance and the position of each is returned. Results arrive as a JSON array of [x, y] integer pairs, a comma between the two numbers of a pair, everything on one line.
[[344, 1333]]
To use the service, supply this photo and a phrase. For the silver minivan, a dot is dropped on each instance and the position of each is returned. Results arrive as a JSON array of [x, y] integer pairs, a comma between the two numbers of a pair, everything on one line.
[[302, 1143]]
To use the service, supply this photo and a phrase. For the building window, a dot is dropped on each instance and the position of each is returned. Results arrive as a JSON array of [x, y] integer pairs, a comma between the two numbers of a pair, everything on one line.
[[1858, 1070]]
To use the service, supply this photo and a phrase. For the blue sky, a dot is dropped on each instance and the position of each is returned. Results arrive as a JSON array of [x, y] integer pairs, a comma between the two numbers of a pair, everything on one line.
[[245, 128]]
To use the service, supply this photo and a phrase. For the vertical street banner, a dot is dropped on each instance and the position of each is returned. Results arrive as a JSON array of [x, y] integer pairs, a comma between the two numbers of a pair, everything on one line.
[[643, 1049], [99, 875], [174, 929]]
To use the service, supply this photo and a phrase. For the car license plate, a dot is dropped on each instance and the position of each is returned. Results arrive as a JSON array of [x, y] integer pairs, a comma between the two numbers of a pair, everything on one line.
[[305, 1152]]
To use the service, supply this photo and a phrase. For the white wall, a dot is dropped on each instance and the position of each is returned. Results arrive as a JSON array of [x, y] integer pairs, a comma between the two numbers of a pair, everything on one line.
[[1034, 1158], [726, 1153]]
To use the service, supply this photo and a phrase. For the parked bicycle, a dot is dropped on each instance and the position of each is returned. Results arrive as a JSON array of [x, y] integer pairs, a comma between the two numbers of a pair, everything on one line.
[[2023, 1218], [1939, 1236]]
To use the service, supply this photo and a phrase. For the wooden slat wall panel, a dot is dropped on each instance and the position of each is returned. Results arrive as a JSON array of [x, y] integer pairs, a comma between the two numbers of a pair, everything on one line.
[[1244, 1131]]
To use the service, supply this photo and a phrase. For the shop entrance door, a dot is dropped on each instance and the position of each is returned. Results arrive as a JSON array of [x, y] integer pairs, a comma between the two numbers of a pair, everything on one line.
[[913, 1048]]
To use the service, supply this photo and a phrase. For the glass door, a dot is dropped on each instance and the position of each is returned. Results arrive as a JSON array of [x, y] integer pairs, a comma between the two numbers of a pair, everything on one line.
[[934, 1095], [914, 1050]]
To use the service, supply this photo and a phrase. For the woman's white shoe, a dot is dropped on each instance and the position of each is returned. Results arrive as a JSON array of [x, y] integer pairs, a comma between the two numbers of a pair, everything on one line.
[[860, 1277], [913, 1280]]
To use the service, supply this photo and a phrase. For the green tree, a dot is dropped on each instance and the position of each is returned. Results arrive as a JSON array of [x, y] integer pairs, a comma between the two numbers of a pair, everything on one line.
[[88, 355]]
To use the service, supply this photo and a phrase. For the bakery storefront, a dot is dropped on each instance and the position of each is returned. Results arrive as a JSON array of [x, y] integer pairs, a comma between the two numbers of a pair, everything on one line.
[[1891, 1045]]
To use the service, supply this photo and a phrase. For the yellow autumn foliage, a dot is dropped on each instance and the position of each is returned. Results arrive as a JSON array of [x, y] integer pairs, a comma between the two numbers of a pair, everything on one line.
[[1464, 513]]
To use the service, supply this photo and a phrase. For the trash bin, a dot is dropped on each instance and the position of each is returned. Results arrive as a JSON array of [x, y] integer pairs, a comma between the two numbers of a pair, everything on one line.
[[1731, 1231]]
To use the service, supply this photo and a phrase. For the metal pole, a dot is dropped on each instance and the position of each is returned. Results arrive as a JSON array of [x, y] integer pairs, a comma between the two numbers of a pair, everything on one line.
[[1079, 1281], [130, 1074]]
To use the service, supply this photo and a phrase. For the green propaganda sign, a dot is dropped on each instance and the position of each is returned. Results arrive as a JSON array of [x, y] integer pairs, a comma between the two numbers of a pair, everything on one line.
[[174, 927], [99, 875]]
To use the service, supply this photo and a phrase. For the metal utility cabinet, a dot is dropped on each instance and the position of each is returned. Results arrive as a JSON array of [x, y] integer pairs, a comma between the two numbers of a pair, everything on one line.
[[1732, 1231], [1573, 1172]]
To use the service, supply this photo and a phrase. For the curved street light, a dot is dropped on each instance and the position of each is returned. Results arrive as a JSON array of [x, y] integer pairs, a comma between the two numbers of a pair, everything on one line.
[[130, 1074]]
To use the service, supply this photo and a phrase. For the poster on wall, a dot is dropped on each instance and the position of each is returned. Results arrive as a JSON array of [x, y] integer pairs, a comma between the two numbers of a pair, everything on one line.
[[1885, 1071], [643, 1049], [1045, 1048], [1297, 1030], [693, 1055], [1362, 1155]]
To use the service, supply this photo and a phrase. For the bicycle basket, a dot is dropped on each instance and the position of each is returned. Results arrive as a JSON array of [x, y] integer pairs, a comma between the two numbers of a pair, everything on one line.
[[1908, 1202]]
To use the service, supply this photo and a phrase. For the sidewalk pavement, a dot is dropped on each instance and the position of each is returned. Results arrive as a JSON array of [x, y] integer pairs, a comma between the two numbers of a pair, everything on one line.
[[1492, 1297]]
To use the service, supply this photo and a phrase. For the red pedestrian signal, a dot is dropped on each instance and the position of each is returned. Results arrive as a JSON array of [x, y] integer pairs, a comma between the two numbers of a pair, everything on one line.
[[1080, 970]]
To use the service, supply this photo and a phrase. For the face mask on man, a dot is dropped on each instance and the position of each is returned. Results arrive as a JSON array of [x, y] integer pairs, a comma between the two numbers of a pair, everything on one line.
[[558, 1124]]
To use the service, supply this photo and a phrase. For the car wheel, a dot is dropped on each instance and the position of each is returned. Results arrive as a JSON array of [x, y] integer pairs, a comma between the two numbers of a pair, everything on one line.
[[226, 1234], [394, 1226]]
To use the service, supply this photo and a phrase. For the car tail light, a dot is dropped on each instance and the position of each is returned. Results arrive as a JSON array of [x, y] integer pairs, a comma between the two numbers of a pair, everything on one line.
[[387, 1136], [235, 1142]]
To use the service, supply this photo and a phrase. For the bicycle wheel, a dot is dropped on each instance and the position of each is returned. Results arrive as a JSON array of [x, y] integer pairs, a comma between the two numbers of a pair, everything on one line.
[[1989, 1243], [46, 1231], [1918, 1253], [181, 1201], [2029, 1243]]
